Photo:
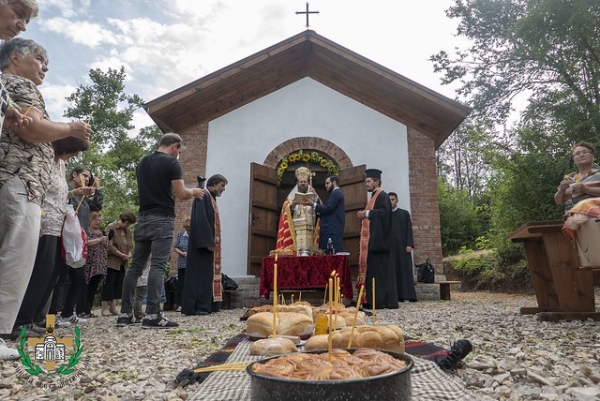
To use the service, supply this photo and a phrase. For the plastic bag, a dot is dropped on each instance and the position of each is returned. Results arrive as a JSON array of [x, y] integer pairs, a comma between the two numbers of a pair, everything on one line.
[[74, 240]]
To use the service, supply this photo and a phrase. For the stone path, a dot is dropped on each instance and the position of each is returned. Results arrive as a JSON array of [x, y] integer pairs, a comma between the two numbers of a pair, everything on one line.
[[514, 358]]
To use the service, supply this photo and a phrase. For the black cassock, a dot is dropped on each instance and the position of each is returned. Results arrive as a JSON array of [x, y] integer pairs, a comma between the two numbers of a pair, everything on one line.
[[197, 291], [378, 259], [401, 262]]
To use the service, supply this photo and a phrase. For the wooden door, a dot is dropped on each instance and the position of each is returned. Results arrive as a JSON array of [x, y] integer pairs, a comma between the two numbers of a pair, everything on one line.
[[263, 218], [352, 184]]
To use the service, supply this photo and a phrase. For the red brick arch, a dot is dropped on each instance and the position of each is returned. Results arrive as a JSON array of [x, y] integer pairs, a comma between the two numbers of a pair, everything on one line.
[[308, 142]]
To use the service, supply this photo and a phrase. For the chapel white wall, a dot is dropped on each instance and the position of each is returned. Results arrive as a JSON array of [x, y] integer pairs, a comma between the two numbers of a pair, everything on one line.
[[304, 108]]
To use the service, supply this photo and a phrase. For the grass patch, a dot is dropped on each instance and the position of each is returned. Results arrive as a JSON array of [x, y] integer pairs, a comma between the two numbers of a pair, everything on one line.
[[486, 270]]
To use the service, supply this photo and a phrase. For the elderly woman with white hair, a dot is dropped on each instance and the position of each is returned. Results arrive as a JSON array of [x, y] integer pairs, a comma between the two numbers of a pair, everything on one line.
[[15, 15], [26, 158]]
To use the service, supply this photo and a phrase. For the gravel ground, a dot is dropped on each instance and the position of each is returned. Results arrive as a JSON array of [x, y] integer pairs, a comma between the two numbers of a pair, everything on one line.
[[515, 357]]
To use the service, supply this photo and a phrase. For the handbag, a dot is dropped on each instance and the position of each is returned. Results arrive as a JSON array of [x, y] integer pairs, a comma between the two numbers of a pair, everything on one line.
[[171, 284], [228, 283], [74, 240], [425, 272]]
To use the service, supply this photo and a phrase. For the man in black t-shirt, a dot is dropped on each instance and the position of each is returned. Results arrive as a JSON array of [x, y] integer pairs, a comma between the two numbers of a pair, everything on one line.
[[159, 177]]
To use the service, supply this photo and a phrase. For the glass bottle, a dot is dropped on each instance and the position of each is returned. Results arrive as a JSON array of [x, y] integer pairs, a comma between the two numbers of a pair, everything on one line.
[[329, 246]]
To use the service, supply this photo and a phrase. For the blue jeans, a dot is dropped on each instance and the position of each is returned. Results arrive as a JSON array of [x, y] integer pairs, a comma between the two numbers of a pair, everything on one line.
[[153, 236]]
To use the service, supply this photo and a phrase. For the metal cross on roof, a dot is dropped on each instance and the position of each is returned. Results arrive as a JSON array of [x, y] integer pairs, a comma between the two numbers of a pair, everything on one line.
[[307, 12]]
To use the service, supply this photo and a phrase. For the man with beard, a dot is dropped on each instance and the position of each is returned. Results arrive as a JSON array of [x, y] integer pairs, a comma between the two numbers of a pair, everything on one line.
[[375, 243], [298, 229], [401, 251], [202, 291], [159, 177], [332, 215]]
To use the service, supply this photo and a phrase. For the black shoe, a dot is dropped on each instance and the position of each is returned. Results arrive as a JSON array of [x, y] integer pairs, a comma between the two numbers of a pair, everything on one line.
[[126, 320], [30, 331], [161, 322], [457, 353]]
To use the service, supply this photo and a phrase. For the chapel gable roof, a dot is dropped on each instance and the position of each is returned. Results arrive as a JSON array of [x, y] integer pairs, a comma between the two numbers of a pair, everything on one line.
[[308, 55]]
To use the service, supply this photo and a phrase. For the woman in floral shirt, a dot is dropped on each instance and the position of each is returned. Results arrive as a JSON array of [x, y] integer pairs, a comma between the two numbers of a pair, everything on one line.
[[95, 265]]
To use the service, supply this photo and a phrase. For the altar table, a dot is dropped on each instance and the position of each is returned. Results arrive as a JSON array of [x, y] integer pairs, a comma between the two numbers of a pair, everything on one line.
[[305, 272]]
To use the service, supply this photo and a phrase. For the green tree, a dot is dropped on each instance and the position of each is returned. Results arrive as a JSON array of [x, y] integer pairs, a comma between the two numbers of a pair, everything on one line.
[[459, 219], [114, 151], [546, 49], [525, 180], [461, 159]]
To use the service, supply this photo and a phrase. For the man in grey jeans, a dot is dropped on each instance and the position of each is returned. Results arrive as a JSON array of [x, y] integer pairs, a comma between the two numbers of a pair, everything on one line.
[[159, 177]]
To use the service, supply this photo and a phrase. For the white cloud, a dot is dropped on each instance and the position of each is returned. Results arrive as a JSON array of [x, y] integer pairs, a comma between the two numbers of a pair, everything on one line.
[[81, 32], [65, 7], [55, 98]]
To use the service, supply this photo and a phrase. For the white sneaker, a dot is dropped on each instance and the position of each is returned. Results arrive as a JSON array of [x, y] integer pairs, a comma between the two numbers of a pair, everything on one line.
[[61, 322], [74, 319], [6, 353]]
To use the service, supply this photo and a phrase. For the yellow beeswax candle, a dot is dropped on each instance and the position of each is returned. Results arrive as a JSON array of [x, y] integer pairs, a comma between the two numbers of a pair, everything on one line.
[[275, 298], [330, 341], [362, 287], [373, 301]]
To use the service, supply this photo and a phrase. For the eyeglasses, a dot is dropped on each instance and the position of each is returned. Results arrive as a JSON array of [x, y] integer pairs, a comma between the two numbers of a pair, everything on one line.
[[582, 152]]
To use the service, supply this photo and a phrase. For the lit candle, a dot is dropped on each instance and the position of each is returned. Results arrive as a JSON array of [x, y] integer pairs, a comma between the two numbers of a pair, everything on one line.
[[330, 340], [275, 298], [362, 287]]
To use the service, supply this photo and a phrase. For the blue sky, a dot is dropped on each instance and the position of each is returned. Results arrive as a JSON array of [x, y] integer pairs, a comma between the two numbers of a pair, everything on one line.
[[165, 44]]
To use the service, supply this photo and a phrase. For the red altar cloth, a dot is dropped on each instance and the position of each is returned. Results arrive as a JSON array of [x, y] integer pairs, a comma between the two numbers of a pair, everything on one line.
[[305, 272]]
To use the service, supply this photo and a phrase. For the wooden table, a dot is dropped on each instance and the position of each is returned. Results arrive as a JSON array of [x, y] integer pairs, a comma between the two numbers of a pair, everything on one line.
[[305, 273], [563, 289]]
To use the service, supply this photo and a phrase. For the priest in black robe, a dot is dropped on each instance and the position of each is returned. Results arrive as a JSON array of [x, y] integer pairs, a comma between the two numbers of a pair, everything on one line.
[[202, 291], [401, 251], [375, 244]]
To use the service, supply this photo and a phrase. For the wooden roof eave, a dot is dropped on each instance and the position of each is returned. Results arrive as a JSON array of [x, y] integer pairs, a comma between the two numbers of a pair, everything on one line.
[[312, 52]]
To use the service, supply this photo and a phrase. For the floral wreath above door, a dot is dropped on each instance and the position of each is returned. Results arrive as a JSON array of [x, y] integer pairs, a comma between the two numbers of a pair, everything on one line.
[[306, 156]]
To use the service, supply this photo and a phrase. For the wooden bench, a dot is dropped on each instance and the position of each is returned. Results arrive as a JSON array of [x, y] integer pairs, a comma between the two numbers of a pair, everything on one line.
[[444, 288], [563, 290], [227, 299]]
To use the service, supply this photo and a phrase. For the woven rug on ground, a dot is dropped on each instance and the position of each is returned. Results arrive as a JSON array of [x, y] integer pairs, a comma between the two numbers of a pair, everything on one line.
[[221, 356], [429, 382]]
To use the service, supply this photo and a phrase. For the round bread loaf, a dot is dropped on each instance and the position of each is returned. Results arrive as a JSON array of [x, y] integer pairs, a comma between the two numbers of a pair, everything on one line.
[[389, 338], [272, 346], [288, 323]]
